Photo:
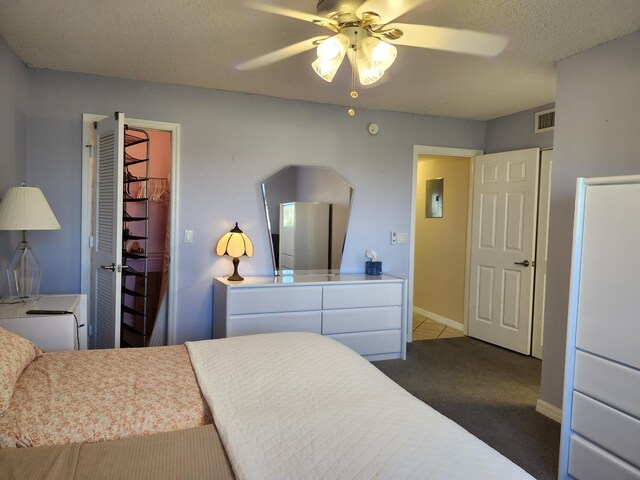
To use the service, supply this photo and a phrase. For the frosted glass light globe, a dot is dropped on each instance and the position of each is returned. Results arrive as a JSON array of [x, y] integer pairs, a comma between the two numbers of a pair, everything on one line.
[[333, 47]]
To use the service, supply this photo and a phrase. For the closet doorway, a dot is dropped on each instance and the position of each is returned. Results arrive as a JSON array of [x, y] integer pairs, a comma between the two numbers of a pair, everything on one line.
[[133, 303]]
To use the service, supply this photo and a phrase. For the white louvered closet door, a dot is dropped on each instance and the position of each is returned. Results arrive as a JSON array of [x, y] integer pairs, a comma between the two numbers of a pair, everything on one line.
[[107, 246]]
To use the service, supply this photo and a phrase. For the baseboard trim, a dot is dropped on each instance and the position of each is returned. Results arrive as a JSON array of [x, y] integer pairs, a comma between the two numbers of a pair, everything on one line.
[[549, 411], [440, 319]]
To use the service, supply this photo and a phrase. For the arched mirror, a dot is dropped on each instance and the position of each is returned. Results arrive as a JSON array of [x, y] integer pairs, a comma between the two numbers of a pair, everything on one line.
[[307, 212]]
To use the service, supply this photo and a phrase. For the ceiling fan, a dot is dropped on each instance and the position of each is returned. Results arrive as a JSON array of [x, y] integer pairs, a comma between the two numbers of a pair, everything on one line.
[[362, 31]]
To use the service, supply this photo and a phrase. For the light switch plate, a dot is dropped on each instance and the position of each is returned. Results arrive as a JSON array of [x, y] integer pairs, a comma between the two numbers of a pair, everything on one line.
[[188, 236]]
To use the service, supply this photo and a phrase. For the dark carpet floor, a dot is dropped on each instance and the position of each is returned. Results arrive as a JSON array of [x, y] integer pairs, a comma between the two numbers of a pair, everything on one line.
[[490, 391]]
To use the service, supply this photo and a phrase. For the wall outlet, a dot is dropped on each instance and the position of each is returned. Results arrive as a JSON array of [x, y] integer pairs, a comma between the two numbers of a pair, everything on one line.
[[403, 237], [394, 238]]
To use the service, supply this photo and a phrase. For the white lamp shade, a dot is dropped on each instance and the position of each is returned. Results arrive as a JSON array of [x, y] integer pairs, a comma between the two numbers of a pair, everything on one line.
[[333, 48], [326, 69], [330, 52], [367, 72], [380, 54], [25, 208]]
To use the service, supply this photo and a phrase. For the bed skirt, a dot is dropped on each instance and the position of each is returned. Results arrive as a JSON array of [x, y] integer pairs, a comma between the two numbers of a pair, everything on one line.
[[194, 454]]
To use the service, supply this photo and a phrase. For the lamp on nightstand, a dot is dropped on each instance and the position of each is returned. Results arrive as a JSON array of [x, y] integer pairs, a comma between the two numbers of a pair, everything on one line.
[[25, 208], [235, 244]]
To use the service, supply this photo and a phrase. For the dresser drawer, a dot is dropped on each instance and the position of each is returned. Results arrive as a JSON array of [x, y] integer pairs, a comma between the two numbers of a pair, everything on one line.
[[607, 427], [274, 322], [589, 462], [361, 320], [371, 343], [274, 299], [354, 296], [609, 382]]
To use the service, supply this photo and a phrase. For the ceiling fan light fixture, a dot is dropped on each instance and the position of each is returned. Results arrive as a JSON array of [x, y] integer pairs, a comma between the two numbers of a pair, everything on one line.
[[330, 52], [369, 75], [368, 72], [333, 47], [367, 38], [326, 69], [380, 54]]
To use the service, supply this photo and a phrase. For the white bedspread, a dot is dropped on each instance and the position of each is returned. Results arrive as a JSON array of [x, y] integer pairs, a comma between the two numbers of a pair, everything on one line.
[[302, 406]]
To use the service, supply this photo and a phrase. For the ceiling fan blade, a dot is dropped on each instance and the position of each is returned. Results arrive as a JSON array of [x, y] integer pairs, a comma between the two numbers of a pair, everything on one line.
[[449, 39], [307, 17], [388, 10], [281, 54]]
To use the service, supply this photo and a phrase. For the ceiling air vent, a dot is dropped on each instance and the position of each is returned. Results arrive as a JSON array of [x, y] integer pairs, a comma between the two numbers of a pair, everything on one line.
[[545, 120]]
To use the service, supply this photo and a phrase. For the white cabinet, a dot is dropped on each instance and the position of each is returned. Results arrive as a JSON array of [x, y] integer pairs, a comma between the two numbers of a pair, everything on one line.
[[50, 333], [600, 435], [365, 313]]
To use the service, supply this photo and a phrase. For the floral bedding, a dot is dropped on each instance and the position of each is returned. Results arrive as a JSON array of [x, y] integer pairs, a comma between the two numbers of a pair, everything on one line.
[[98, 395]]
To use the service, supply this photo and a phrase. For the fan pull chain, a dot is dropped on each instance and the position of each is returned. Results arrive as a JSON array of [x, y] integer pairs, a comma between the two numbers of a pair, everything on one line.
[[354, 93]]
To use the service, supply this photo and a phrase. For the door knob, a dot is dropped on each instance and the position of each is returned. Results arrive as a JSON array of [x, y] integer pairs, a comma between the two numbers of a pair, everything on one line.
[[113, 267], [524, 264]]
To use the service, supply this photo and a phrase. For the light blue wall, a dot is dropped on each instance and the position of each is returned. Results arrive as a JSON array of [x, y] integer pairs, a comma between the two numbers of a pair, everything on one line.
[[516, 132], [230, 142], [13, 131], [597, 134]]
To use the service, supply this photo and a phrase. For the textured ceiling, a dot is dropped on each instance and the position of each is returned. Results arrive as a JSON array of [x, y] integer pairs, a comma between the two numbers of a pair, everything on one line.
[[198, 43]]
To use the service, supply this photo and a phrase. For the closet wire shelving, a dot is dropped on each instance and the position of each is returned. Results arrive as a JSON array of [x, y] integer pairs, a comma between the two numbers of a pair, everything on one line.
[[135, 264]]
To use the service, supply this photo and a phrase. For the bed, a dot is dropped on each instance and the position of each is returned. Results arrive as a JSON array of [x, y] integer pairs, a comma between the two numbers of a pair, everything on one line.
[[285, 405], [98, 395]]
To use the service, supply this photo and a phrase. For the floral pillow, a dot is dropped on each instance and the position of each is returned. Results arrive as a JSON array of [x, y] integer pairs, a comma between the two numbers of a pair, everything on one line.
[[16, 353]]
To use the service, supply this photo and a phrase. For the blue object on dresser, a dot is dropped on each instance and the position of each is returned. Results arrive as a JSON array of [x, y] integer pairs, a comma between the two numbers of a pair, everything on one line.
[[373, 268]]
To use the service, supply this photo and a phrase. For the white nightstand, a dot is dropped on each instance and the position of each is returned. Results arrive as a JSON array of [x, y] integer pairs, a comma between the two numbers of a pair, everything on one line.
[[49, 332]]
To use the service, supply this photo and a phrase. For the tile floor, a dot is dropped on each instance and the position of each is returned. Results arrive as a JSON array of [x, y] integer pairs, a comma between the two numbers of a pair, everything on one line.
[[426, 329]]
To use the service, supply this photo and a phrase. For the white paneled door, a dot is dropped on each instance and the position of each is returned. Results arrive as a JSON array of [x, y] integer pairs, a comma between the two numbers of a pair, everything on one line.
[[107, 245], [505, 190]]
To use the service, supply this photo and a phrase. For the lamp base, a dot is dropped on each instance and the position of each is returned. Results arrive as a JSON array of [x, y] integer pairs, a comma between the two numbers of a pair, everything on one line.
[[236, 276], [24, 273]]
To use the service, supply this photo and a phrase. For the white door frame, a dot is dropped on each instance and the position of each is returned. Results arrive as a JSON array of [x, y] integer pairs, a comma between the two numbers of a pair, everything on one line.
[[85, 261], [542, 244], [450, 152]]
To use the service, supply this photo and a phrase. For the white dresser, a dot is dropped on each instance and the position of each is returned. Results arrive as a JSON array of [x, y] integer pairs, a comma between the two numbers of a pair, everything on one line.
[[600, 437], [50, 333], [365, 313]]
